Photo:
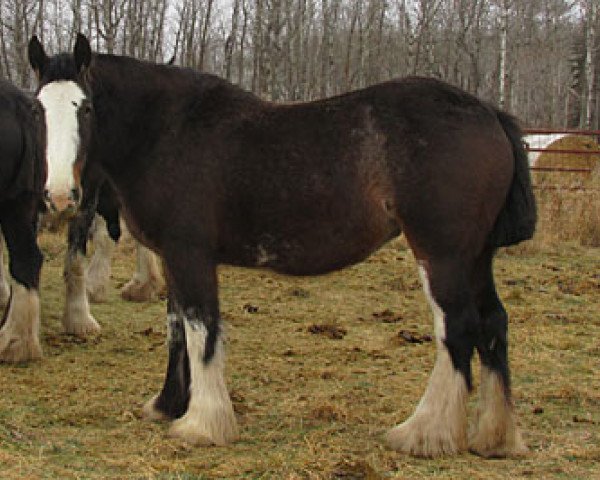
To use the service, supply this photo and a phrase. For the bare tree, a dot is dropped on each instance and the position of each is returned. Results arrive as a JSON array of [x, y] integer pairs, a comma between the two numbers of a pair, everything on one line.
[[205, 29], [587, 100], [537, 58]]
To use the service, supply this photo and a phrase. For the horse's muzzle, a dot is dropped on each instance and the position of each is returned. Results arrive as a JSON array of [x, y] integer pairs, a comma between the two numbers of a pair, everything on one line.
[[60, 208]]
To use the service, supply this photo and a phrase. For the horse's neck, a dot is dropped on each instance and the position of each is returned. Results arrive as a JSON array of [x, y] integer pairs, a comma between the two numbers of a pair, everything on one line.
[[120, 110]]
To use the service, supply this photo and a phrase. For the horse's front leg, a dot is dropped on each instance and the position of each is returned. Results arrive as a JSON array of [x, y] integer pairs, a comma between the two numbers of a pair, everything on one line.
[[172, 401], [19, 329], [4, 288], [98, 271], [77, 318], [209, 418]]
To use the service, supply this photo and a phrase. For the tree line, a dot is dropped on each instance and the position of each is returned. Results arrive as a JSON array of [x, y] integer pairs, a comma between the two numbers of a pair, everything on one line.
[[538, 58]]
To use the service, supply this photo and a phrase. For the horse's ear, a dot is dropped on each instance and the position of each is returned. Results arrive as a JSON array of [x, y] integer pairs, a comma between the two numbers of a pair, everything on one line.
[[82, 53], [37, 56]]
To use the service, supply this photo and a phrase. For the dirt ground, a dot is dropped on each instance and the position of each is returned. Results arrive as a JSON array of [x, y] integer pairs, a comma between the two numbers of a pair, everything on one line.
[[318, 369]]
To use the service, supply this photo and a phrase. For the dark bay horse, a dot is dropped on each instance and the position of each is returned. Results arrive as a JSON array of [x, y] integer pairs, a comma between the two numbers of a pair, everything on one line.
[[22, 178], [209, 174]]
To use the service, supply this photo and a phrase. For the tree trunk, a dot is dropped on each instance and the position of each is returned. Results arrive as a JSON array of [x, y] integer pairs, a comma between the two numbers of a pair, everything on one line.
[[203, 41], [587, 100], [502, 73]]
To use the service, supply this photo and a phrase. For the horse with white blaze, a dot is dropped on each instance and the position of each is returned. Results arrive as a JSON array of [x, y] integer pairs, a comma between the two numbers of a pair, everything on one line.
[[63, 103], [209, 174]]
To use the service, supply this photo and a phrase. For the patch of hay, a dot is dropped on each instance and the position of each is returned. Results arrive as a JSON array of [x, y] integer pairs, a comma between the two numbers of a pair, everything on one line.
[[567, 201], [589, 160]]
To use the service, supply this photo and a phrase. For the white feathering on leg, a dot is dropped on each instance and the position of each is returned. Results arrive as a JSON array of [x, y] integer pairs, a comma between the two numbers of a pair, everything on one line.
[[210, 418], [77, 318], [439, 424], [20, 333]]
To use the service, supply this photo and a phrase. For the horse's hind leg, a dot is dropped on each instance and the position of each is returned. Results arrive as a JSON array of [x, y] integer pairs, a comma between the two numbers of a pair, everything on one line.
[[98, 270], [147, 281], [19, 329], [495, 433], [4, 288], [439, 424]]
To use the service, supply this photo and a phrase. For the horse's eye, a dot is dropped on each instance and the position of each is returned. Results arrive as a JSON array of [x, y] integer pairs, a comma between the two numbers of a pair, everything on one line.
[[74, 194], [87, 109]]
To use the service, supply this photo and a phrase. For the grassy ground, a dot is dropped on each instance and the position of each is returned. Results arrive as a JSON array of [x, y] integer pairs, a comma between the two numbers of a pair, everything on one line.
[[318, 368]]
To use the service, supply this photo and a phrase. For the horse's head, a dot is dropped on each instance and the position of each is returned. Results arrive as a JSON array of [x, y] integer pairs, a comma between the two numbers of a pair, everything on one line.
[[68, 112]]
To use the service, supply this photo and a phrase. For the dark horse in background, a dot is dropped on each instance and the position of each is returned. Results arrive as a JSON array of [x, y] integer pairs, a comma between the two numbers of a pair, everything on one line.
[[209, 174], [22, 178]]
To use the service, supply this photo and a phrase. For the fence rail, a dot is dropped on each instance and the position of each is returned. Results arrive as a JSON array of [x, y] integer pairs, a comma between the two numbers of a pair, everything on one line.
[[537, 137], [568, 167], [572, 131]]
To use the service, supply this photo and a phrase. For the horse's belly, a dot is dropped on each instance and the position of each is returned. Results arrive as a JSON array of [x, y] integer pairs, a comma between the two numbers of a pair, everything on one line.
[[321, 259], [312, 253]]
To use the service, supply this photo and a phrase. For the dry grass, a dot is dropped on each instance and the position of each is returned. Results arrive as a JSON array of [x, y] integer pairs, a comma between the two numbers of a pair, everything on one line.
[[318, 369]]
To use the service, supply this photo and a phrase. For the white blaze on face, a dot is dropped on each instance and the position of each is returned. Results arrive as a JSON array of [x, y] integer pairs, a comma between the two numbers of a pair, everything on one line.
[[61, 101]]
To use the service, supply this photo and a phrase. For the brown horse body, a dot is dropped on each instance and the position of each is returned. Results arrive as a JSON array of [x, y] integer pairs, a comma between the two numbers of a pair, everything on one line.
[[209, 174]]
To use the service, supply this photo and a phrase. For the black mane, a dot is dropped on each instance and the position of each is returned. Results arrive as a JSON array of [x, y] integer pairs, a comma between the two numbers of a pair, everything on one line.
[[145, 75]]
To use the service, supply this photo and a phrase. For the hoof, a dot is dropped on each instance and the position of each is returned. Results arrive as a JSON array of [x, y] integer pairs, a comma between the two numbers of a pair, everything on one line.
[[203, 431], [495, 433], [498, 444], [82, 326], [136, 291], [19, 330], [190, 435], [151, 413], [501, 451], [17, 349], [421, 437], [96, 293]]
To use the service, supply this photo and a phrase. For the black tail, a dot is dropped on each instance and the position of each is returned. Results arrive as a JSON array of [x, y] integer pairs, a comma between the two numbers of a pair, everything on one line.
[[517, 219]]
